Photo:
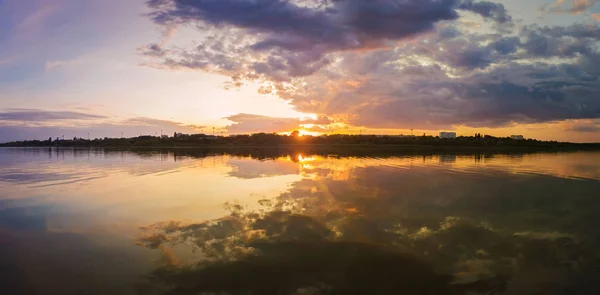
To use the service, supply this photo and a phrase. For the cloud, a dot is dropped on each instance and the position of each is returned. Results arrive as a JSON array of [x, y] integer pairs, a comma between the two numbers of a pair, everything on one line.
[[488, 10], [248, 123], [54, 64], [392, 64], [415, 95], [571, 6], [281, 39], [144, 121], [32, 115], [320, 120], [596, 16], [152, 50], [157, 49], [462, 50], [468, 79], [582, 126]]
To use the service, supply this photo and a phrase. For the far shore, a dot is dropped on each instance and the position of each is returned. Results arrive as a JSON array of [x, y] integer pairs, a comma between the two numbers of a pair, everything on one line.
[[389, 147], [329, 143]]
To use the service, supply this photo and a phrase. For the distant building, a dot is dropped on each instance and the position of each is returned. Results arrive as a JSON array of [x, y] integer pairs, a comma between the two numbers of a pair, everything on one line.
[[517, 137], [447, 134], [180, 135], [164, 136]]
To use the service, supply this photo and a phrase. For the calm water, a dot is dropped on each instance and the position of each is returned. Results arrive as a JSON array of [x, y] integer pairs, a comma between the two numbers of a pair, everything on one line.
[[277, 222]]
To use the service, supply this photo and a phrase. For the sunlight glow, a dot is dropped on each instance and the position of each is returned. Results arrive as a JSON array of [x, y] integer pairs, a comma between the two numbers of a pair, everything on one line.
[[303, 159], [311, 133]]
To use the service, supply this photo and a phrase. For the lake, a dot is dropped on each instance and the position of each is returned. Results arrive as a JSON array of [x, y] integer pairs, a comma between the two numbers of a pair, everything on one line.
[[276, 221]]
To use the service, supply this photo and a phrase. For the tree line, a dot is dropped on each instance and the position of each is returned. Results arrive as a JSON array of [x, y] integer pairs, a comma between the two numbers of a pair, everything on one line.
[[271, 139]]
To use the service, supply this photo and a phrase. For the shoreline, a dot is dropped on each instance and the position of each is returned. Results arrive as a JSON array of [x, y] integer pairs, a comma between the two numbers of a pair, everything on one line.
[[399, 147]]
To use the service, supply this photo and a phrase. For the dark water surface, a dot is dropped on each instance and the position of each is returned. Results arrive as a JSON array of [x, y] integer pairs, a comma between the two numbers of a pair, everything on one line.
[[80, 221]]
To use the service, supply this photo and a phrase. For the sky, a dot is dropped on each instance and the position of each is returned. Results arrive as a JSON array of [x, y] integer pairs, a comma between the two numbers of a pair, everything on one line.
[[109, 67]]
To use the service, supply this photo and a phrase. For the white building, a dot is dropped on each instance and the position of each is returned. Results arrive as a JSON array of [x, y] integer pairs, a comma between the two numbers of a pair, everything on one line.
[[517, 137], [447, 134]]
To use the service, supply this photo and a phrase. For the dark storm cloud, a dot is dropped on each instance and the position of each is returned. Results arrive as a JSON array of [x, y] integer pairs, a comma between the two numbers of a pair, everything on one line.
[[506, 45], [426, 97], [282, 15], [343, 59], [291, 64], [31, 115], [472, 58], [296, 37], [490, 10], [474, 51], [465, 52], [275, 17], [343, 24], [575, 31], [462, 88], [561, 42]]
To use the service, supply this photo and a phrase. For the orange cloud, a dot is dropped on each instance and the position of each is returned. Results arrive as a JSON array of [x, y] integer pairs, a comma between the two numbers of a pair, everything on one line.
[[574, 6]]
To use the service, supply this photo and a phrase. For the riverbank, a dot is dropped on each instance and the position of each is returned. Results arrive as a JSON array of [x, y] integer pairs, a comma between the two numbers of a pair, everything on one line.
[[346, 149], [271, 141]]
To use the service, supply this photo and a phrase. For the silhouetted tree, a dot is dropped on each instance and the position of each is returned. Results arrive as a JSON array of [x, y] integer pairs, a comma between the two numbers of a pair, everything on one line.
[[273, 139]]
